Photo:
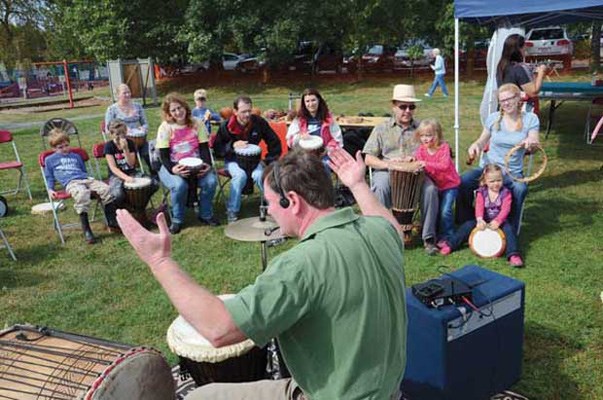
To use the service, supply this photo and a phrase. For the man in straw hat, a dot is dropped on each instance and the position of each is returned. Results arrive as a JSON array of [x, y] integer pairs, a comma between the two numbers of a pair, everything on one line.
[[392, 143], [335, 301]]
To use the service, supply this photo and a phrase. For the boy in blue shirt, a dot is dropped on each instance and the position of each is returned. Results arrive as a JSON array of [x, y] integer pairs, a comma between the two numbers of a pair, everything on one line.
[[69, 170], [202, 112]]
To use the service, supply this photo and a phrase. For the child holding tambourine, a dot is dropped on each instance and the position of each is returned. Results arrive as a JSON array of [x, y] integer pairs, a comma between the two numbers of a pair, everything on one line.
[[492, 207], [434, 156]]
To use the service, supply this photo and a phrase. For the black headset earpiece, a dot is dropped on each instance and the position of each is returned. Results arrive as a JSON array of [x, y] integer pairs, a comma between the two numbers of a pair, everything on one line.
[[283, 201]]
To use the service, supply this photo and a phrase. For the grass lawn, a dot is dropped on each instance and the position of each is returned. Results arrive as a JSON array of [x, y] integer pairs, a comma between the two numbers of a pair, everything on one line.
[[105, 291]]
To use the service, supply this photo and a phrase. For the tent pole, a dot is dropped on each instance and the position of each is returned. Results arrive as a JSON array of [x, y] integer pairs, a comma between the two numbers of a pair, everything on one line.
[[456, 93]]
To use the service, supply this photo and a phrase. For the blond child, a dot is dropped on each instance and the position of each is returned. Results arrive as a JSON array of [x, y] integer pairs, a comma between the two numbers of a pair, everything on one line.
[[434, 155], [69, 170], [492, 207]]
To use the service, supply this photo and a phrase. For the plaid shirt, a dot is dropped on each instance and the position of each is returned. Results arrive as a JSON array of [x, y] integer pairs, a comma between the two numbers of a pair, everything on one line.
[[389, 140]]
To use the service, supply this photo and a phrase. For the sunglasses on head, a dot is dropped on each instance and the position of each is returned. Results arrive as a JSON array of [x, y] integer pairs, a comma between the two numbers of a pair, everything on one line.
[[405, 107]]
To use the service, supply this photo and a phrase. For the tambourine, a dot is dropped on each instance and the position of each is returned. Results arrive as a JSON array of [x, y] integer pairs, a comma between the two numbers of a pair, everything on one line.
[[536, 174]]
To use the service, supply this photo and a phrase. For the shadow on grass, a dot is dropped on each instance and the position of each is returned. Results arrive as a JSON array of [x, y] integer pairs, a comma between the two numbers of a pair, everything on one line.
[[544, 217], [545, 352], [571, 178]]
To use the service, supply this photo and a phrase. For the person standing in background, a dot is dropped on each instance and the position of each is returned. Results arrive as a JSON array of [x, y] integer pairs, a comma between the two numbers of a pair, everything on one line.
[[439, 69]]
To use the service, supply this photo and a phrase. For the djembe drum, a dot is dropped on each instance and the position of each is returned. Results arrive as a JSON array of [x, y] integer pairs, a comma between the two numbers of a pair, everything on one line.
[[248, 158], [240, 362], [193, 166], [41, 363], [313, 144], [138, 193], [138, 136], [406, 181], [487, 243]]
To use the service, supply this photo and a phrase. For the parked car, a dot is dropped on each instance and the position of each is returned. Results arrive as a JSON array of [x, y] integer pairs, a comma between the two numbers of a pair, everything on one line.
[[402, 59], [550, 42], [314, 57], [230, 62], [378, 57]]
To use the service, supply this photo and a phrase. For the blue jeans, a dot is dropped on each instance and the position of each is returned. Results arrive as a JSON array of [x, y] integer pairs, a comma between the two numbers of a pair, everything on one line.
[[462, 235], [178, 187], [438, 80], [238, 182], [470, 182], [445, 215]]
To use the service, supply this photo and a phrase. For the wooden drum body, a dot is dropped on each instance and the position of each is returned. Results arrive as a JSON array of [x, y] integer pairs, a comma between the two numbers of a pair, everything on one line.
[[240, 362], [138, 136], [248, 158], [47, 364], [405, 194], [138, 194]]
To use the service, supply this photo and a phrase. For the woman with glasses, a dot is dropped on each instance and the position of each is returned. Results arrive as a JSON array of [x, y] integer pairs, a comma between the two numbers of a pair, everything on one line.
[[503, 130]]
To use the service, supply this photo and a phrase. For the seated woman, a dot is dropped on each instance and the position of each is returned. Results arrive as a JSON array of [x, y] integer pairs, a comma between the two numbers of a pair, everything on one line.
[[132, 114], [180, 136], [503, 130], [314, 119]]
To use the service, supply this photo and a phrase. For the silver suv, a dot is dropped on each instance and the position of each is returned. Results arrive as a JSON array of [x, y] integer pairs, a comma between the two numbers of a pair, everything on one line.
[[549, 42]]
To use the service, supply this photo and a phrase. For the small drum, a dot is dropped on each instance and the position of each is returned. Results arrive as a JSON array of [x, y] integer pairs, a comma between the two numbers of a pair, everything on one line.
[[41, 363], [248, 158], [138, 194], [313, 144], [138, 136], [45, 208], [487, 243], [240, 362], [193, 166], [406, 183]]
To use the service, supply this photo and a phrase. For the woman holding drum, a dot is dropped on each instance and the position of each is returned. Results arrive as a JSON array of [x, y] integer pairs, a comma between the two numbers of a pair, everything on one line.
[[181, 137], [132, 114], [314, 121], [503, 131]]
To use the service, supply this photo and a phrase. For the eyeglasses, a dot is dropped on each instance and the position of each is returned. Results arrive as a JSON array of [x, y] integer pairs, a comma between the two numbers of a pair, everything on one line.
[[508, 99], [201, 98], [405, 107]]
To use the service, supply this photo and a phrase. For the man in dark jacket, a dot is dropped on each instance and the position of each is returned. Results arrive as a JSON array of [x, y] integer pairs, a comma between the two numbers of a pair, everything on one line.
[[233, 142]]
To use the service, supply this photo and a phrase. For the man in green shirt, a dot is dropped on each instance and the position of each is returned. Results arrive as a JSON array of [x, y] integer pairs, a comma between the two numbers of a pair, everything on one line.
[[335, 301]]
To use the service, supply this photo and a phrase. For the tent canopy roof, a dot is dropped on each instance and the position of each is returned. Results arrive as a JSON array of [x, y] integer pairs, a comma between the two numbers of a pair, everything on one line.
[[528, 13]]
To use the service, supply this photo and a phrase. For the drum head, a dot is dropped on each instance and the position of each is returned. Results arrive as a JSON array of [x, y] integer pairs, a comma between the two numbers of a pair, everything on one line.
[[136, 132], [3, 207], [139, 182], [249, 150], [44, 208], [311, 142], [191, 162], [185, 341], [487, 243], [140, 374]]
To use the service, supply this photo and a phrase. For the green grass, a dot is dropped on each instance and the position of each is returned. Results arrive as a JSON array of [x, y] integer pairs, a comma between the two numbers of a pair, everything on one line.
[[105, 291]]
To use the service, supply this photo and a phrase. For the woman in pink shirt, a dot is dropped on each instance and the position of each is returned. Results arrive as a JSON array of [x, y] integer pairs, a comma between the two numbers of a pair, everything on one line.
[[434, 155]]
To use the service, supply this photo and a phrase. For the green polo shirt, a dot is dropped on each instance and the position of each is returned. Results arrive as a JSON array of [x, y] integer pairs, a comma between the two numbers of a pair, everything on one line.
[[336, 303], [389, 140]]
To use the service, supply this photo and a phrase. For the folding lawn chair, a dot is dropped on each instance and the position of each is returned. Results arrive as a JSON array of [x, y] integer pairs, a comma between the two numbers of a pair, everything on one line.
[[7, 137], [62, 195], [7, 245]]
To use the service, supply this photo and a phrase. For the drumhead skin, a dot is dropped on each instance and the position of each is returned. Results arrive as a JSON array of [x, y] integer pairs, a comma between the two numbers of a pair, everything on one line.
[[185, 341], [487, 243], [249, 150], [136, 132], [311, 142], [191, 162], [140, 182], [44, 208], [3, 207]]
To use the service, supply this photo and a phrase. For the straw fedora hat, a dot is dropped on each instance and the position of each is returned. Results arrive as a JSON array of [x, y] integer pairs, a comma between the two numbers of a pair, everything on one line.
[[405, 93]]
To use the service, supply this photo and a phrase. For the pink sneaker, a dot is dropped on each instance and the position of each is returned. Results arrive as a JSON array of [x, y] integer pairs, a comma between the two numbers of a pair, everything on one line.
[[445, 249], [516, 261]]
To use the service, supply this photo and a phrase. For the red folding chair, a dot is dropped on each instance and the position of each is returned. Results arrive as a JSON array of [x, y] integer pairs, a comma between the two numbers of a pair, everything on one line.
[[7, 137], [62, 195]]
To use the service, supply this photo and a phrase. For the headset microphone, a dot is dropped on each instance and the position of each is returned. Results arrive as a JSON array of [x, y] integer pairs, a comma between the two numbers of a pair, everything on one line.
[[283, 201]]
